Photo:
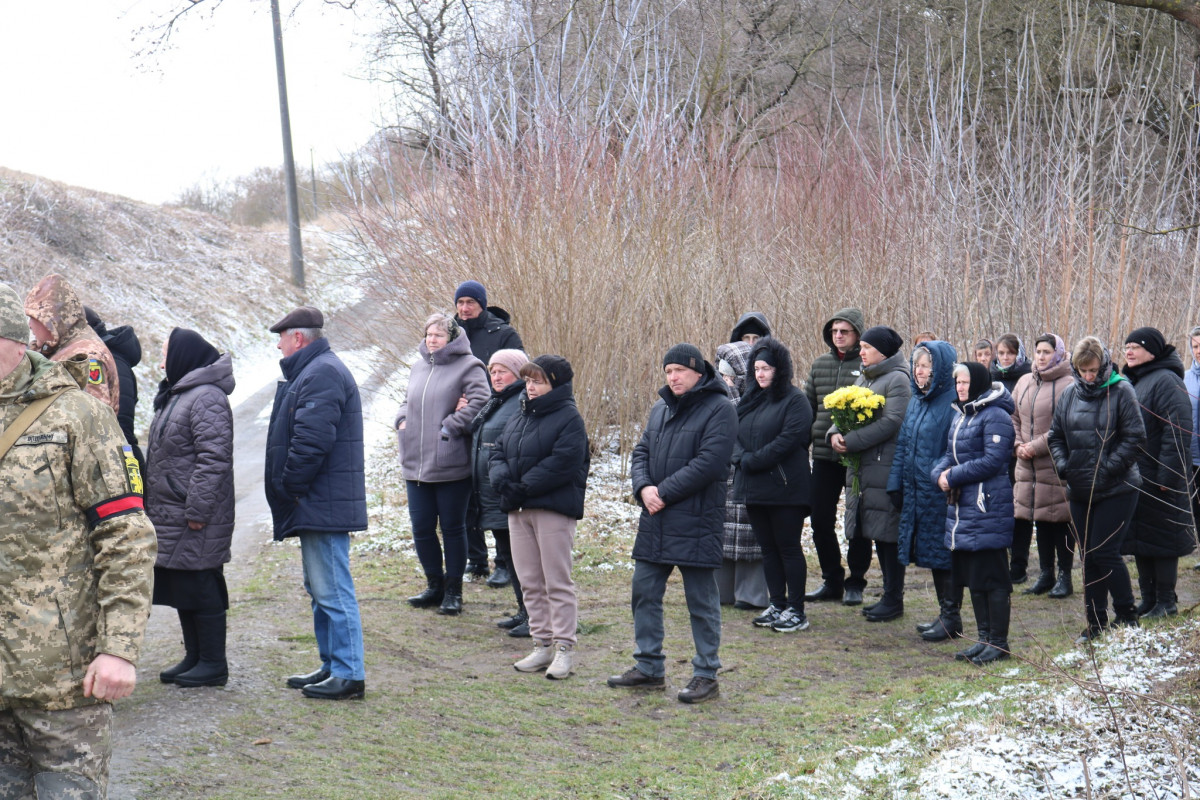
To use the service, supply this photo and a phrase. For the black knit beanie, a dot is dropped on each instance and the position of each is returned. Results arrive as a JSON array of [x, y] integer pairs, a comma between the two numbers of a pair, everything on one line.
[[763, 354], [1149, 338], [558, 369], [883, 339], [686, 355]]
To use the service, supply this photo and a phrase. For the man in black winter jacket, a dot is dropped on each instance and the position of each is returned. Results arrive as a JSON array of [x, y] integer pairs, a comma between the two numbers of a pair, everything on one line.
[[679, 472], [488, 331]]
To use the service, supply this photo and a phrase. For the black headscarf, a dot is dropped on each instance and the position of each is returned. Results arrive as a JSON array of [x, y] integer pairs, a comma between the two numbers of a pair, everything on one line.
[[981, 381], [186, 351]]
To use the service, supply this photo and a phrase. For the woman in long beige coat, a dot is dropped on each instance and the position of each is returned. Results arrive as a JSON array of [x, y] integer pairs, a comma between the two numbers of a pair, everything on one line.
[[1038, 494]]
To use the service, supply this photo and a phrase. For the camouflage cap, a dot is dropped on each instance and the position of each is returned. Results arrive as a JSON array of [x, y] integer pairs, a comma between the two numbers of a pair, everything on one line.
[[13, 322]]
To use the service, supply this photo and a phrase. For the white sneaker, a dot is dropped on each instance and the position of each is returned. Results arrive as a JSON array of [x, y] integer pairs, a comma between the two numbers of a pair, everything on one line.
[[560, 669], [539, 659]]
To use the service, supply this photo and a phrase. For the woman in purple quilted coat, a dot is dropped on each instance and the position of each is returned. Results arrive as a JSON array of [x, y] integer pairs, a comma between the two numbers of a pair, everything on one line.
[[189, 498]]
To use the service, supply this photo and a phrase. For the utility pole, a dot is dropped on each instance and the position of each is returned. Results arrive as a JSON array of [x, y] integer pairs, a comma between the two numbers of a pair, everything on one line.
[[289, 163]]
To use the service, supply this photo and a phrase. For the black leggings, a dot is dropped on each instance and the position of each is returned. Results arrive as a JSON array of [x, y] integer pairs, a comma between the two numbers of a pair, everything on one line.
[[1102, 526]]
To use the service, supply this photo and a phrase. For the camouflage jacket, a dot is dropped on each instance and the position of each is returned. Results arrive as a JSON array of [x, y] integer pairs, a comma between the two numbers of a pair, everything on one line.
[[76, 549], [54, 304]]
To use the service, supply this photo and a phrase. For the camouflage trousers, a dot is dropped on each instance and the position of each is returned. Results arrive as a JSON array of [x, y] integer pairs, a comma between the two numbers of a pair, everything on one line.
[[55, 754]]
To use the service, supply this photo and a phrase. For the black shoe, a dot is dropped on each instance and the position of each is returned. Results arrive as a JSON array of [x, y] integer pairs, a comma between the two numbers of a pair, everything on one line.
[[336, 689], [500, 578], [742, 605], [1018, 575], [1144, 607], [171, 673], [942, 630], [511, 622], [205, 673], [1063, 587], [1161, 610], [928, 626], [451, 604], [885, 612], [993, 652], [634, 678], [825, 593], [476, 571], [1043, 584], [300, 681], [699, 689], [521, 631], [852, 597], [1089, 633], [432, 596]]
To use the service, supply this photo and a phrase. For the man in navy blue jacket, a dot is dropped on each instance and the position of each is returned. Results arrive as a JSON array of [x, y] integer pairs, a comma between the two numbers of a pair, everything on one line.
[[316, 487], [679, 470]]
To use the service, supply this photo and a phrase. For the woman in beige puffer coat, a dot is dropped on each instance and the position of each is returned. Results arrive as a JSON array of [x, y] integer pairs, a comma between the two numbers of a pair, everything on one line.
[[1038, 494]]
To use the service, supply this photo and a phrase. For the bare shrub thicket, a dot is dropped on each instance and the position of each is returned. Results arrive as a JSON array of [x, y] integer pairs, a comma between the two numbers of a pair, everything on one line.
[[596, 208]]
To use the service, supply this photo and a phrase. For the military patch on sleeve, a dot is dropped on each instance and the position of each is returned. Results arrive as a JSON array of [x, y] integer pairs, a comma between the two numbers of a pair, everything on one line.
[[95, 372], [132, 470]]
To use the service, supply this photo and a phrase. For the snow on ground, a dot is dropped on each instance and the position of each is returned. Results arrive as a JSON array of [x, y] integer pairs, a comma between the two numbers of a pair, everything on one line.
[[1074, 728]]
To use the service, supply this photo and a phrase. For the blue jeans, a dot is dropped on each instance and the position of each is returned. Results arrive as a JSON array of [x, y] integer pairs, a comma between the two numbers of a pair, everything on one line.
[[326, 560], [429, 504], [704, 605]]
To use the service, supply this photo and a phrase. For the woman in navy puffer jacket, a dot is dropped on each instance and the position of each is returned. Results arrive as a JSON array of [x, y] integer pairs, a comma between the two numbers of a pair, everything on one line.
[[921, 443], [979, 520]]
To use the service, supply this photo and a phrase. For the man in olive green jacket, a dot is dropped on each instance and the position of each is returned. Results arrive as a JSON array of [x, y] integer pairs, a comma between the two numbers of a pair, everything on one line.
[[76, 568]]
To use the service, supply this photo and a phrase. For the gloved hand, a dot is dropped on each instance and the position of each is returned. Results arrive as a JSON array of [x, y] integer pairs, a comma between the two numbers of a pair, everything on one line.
[[897, 499]]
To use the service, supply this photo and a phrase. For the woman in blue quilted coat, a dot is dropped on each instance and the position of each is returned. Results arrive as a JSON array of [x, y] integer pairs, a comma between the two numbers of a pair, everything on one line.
[[920, 445], [979, 516]]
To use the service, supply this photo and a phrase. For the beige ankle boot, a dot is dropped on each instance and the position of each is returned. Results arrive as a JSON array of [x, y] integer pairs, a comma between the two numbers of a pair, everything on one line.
[[560, 669], [538, 660]]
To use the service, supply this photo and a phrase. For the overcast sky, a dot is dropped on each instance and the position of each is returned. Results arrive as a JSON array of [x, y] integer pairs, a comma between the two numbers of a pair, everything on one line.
[[77, 106]]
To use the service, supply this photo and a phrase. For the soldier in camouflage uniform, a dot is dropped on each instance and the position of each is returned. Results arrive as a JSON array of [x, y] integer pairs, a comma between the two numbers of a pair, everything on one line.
[[76, 565], [60, 331]]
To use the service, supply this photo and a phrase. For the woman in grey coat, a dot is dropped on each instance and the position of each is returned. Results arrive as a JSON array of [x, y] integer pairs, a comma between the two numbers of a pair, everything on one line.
[[434, 430], [870, 513], [189, 498]]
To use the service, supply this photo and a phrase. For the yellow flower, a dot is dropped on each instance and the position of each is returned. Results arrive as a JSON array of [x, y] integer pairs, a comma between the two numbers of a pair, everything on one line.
[[862, 417]]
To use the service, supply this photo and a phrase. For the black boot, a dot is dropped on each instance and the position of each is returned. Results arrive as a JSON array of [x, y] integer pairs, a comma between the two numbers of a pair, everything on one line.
[[999, 608], [1063, 587], [949, 623], [1166, 575], [1146, 584], [211, 669], [979, 605], [892, 605], [191, 649], [452, 600], [432, 596], [1043, 584]]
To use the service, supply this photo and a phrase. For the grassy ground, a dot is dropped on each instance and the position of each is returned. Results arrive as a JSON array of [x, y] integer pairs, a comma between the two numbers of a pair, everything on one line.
[[447, 716]]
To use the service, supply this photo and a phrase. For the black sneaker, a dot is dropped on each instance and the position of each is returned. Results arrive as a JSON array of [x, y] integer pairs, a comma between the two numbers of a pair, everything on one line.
[[768, 617], [699, 689], [790, 621], [634, 678]]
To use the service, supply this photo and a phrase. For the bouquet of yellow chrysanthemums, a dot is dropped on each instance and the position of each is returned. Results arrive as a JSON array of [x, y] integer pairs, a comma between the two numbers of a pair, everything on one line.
[[853, 407]]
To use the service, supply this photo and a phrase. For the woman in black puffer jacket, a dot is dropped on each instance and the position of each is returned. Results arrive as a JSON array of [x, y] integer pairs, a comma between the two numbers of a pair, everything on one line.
[[771, 456], [1094, 438], [483, 510], [539, 467], [1163, 529], [189, 498]]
